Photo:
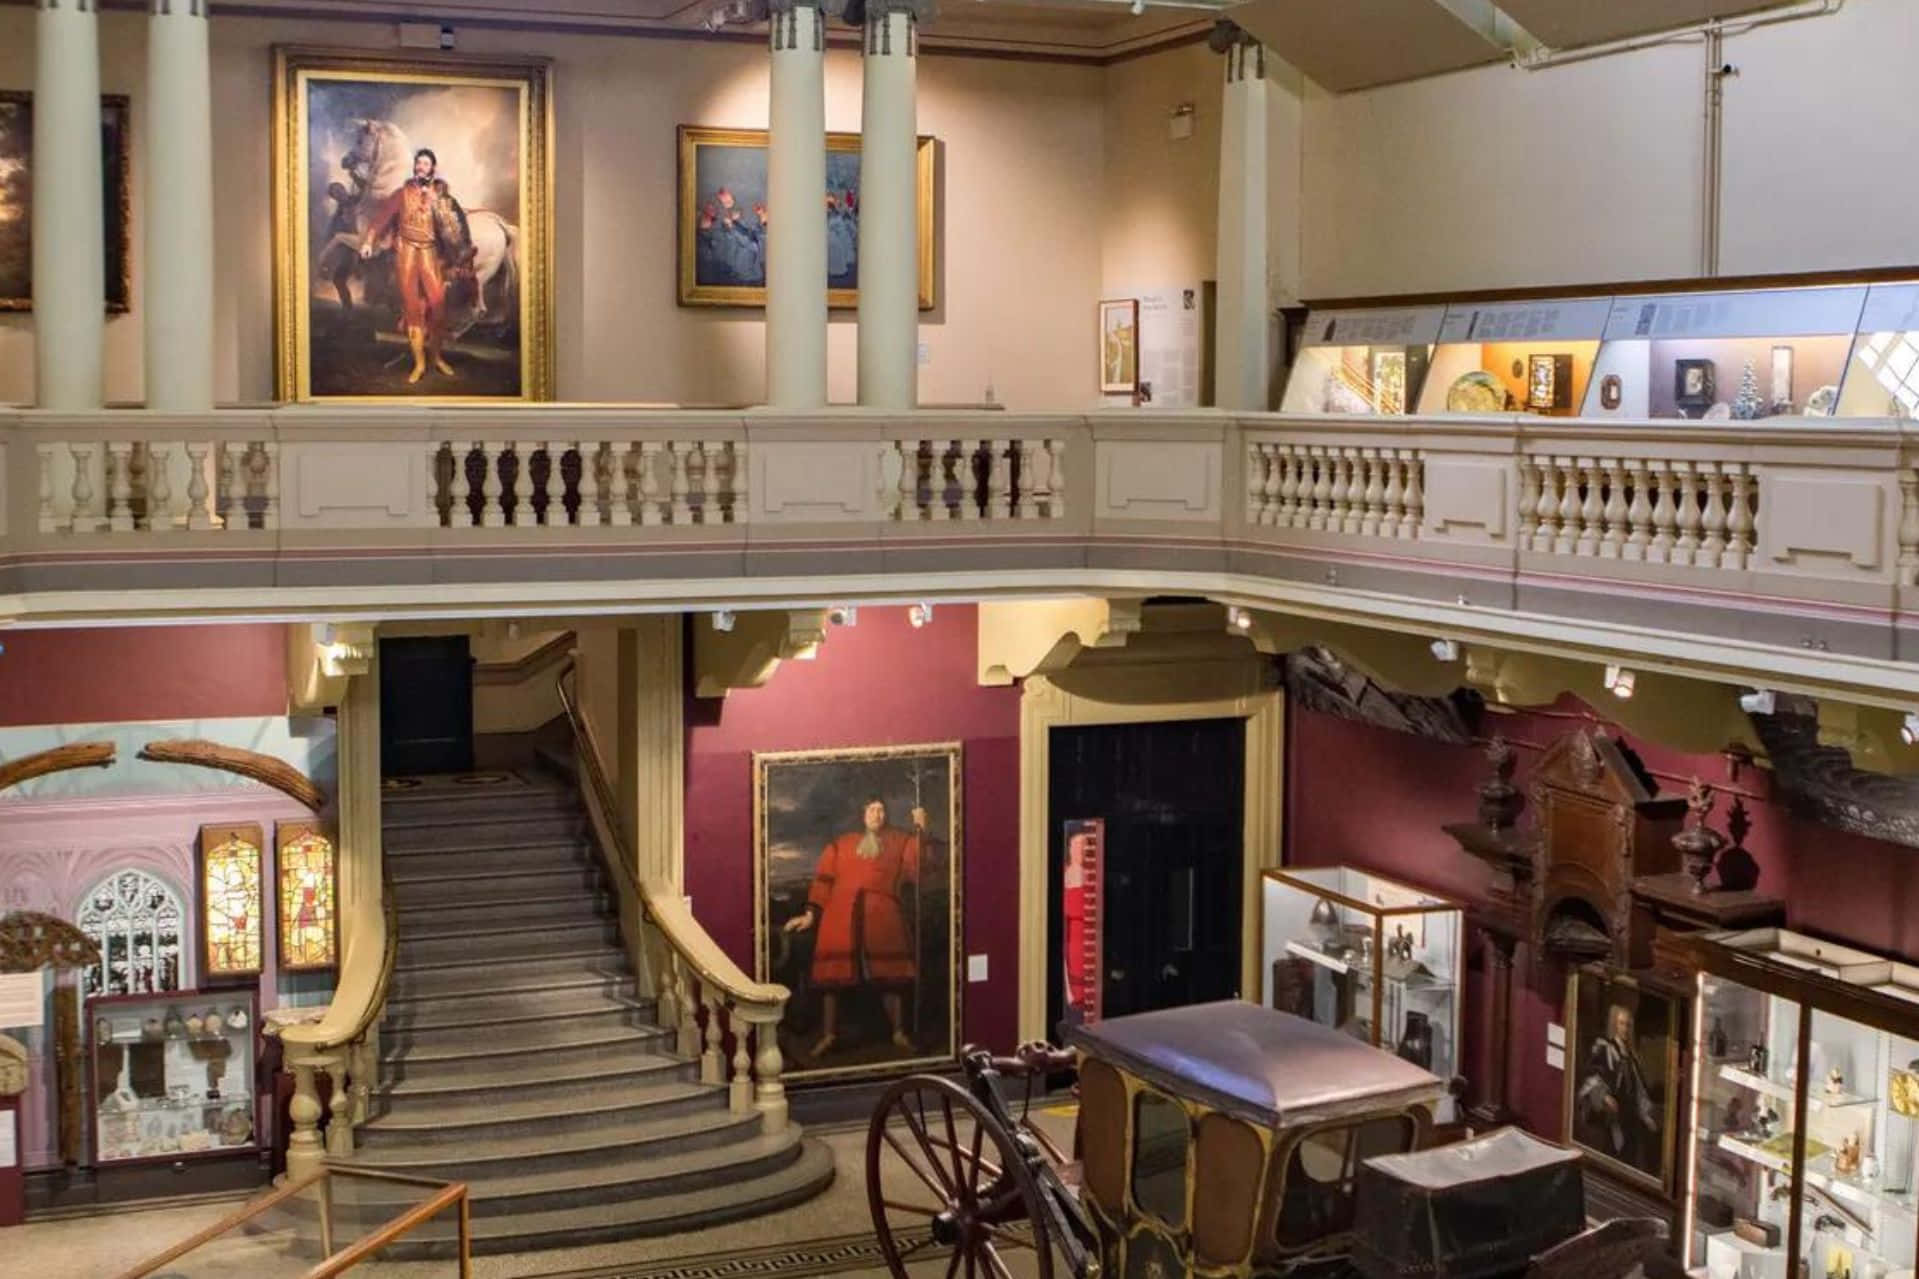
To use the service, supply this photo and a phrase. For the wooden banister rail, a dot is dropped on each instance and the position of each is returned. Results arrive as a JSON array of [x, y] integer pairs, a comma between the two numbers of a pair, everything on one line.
[[702, 993]]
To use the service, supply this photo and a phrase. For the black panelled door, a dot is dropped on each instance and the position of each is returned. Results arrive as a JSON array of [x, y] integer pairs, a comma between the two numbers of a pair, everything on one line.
[[426, 706]]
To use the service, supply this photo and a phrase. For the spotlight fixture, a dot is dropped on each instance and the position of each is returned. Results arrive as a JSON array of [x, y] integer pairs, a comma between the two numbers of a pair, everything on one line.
[[1620, 681], [723, 619], [843, 615], [1239, 619], [1909, 731], [1445, 650], [1759, 702], [919, 614], [1139, 7]]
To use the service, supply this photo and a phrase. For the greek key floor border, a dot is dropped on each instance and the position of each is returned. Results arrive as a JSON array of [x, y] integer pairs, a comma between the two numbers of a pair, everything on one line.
[[830, 1256]]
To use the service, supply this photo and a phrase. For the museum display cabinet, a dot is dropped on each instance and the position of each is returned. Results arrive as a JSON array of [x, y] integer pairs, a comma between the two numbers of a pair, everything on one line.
[[1377, 958], [1803, 1141], [1363, 362], [172, 1075], [1533, 357]]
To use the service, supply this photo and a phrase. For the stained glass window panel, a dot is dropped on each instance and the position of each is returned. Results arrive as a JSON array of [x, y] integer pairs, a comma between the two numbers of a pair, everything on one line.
[[136, 919], [230, 884], [309, 919]]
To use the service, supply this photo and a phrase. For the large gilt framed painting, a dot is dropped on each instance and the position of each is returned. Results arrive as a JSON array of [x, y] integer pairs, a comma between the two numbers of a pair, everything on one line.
[[723, 218], [857, 857], [1622, 1074], [413, 212], [16, 199]]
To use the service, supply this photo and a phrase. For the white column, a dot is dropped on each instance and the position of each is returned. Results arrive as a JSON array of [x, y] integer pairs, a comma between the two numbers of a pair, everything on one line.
[[178, 211], [796, 209], [889, 210], [1244, 323], [69, 253]]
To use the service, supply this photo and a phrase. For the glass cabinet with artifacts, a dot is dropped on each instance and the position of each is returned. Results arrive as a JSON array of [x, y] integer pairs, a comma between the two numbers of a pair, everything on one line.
[[1376, 958], [172, 1075], [1363, 362], [1804, 1133], [1515, 357]]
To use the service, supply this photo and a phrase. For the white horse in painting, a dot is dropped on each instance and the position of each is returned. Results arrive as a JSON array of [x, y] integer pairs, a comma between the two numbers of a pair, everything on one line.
[[381, 162]]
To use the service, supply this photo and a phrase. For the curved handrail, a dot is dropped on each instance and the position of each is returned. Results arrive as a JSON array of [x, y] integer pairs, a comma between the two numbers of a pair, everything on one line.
[[663, 907], [330, 1034]]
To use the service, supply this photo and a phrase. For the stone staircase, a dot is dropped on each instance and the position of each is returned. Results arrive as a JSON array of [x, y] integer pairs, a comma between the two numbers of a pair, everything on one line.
[[516, 1056]]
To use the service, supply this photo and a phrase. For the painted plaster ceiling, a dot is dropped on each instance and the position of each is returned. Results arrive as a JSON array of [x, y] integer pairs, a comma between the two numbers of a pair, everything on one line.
[[1567, 24], [1356, 44]]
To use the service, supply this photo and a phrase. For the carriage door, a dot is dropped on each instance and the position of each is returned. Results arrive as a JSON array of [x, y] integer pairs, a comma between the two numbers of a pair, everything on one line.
[[1171, 796]]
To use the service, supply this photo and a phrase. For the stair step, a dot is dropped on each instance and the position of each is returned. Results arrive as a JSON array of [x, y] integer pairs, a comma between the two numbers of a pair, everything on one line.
[[492, 1015], [450, 887], [447, 1087], [480, 828], [584, 1101], [602, 969], [503, 944], [694, 1119], [508, 952], [428, 804], [436, 862], [551, 1043], [573, 904]]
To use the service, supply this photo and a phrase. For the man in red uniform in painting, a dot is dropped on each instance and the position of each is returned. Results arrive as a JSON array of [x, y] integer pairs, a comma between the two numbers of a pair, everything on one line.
[[864, 940], [424, 222]]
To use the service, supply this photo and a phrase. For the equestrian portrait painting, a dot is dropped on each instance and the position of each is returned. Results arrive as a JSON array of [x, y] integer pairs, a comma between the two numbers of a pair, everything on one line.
[[857, 858], [723, 218], [412, 199]]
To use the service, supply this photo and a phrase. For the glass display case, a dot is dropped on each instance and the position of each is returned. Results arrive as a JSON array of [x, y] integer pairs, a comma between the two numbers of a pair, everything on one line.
[[172, 1075], [1363, 362], [1378, 959], [1804, 1134], [1882, 375], [1515, 357]]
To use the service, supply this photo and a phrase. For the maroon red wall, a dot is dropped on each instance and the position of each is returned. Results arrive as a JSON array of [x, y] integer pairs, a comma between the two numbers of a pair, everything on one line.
[[878, 683], [124, 674], [1376, 798]]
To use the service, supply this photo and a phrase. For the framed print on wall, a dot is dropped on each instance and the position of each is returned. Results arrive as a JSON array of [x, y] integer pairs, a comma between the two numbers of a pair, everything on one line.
[[233, 943], [723, 215], [857, 857], [1119, 346], [1622, 1075], [306, 897], [413, 219], [16, 199]]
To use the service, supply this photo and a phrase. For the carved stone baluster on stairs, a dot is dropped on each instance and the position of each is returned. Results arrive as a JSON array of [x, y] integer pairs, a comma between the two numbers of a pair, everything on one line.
[[712, 1063], [304, 1149], [769, 1095], [689, 1014], [740, 1087]]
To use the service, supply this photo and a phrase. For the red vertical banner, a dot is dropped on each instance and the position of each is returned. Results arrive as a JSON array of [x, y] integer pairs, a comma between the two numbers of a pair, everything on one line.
[[1082, 901]]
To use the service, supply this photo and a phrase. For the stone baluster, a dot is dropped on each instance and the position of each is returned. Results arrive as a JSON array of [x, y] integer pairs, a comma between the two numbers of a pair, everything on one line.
[[592, 493], [1590, 507], [966, 472], [1374, 495], [1269, 496], [1393, 495], [1639, 513], [1712, 523], [680, 478], [1546, 528], [710, 481], [1352, 494], [304, 1149], [1686, 494], [1056, 455], [712, 1060], [689, 1006], [552, 488], [1318, 516], [159, 490], [1528, 499], [1566, 522], [1615, 513], [1027, 453], [1285, 486], [458, 513], [267, 473], [999, 478], [1257, 460], [339, 1124], [956, 467], [233, 479], [1415, 514], [434, 487], [621, 484], [82, 519], [525, 514], [919, 476], [769, 1095], [1741, 525], [740, 1087], [199, 492], [47, 523], [736, 482], [653, 494], [120, 486], [1659, 551], [492, 512]]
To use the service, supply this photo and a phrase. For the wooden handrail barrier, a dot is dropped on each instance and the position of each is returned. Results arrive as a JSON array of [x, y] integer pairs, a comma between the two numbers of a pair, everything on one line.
[[722, 1016]]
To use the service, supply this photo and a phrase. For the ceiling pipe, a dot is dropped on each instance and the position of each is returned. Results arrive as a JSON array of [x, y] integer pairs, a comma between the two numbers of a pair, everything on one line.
[[1542, 58]]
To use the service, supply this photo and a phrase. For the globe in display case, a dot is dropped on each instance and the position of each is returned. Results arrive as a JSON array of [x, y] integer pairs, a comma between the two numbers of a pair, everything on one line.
[[1378, 959]]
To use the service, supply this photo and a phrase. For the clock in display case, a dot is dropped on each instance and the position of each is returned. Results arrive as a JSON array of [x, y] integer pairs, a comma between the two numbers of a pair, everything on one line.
[[173, 1075], [1371, 956], [1804, 1135]]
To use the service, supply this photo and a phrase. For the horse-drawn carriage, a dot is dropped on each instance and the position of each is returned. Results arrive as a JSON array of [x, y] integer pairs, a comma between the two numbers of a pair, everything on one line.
[[1224, 1141]]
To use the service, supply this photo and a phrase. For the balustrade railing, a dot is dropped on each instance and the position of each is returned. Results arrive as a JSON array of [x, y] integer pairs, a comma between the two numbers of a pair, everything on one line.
[[1700, 513], [973, 479], [158, 485], [1373, 492], [587, 483]]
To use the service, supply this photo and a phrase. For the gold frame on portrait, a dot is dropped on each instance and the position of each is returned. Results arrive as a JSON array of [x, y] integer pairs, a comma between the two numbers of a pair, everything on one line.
[[1131, 306], [123, 201], [292, 271], [1669, 1142], [691, 293], [956, 871]]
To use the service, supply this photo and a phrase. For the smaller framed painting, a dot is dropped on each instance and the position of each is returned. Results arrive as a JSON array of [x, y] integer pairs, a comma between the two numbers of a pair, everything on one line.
[[1622, 1074], [1695, 384], [232, 904], [307, 897], [16, 199], [1119, 346]]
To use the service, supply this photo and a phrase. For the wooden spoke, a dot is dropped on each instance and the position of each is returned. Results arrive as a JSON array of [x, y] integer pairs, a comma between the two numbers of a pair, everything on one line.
[[952, 1267], [915, 1209], [979, 1138], [995, 1267], [929, 1145], [952, 1138], [932, 1183]]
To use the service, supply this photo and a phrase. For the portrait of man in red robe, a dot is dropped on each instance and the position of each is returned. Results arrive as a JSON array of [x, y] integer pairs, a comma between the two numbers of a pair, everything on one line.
[[857, 907]]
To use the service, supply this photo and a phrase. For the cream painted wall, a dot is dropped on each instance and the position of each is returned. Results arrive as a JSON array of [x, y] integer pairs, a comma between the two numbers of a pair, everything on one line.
[[1020, 262], [1160, 196]]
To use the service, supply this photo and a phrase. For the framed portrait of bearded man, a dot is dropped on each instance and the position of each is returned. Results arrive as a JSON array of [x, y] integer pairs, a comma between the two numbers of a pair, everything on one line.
[[413, 227], [857, 860]]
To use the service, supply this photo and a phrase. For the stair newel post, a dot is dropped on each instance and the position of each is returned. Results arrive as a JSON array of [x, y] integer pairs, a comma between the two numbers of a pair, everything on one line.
[[770, 1090], [339, 1125], [712, 1061], [740, 1087], [304, 1150]]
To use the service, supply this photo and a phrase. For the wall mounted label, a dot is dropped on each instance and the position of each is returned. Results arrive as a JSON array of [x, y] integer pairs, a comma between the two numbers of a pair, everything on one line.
[[1412, 326], [1764, 313], [1169, 346], [1560, 320], [1082, 901], [9, 1142], [975, 968], [23, 1000]]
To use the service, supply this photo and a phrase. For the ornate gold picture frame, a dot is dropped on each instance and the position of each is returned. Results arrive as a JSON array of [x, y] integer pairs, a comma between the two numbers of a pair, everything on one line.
[[722, 211], [858, 867], [16, 213], [413, 216], [1599, 1068]]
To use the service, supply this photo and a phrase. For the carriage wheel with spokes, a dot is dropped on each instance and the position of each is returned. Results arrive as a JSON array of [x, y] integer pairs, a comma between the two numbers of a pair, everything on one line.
[[948, 1185]]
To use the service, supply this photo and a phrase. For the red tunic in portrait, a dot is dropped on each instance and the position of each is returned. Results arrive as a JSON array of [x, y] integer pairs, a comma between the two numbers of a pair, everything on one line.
[[862, 936]]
